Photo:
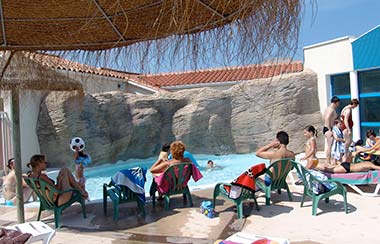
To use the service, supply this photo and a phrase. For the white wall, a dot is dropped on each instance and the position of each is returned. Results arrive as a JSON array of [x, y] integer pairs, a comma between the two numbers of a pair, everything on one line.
[[30, 101], [327, 58]]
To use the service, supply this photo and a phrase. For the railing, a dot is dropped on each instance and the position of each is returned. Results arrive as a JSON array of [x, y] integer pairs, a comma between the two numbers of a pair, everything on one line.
[[5, 139]]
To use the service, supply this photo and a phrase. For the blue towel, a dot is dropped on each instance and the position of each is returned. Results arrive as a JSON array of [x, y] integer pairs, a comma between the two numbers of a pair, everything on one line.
[[134, 179], [85, 160]]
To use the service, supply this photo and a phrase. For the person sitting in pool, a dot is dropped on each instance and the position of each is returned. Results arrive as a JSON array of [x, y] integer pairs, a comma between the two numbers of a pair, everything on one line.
[[65, 180], [347, 167], [164, 152], [177, 149], [9, 186], [277, 149]]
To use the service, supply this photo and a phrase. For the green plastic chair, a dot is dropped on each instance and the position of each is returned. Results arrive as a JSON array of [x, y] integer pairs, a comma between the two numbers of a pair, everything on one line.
[[45, 192], [177, 184], [309, 181], [277, 172], [246, 194], [120, 194]]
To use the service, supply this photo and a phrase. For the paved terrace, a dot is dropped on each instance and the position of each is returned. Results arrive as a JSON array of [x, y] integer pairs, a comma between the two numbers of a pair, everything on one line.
[[187, 225]]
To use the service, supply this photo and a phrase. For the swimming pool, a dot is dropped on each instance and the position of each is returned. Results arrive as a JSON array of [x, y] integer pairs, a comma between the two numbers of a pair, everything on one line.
[[232, 166]]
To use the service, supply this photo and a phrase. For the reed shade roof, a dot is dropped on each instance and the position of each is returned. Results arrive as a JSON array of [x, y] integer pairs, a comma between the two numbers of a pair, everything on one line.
[[104, 24]]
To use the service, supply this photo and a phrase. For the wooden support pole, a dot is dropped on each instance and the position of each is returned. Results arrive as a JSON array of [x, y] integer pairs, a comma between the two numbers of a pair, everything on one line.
[[17, 154]]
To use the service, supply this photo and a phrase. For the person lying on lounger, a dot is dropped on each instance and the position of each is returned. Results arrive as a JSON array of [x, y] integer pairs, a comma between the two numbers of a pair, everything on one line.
[[347, 167]]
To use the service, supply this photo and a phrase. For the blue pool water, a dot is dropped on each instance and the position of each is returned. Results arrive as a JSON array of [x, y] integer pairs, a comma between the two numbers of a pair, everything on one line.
[[232, 166]]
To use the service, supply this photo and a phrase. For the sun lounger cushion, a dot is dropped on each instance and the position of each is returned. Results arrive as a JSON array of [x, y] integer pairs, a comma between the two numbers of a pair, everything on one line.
[[358, 178]]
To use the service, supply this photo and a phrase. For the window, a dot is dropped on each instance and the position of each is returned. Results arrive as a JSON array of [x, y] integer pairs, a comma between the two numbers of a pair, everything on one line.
[[369, 93], [340, 87]]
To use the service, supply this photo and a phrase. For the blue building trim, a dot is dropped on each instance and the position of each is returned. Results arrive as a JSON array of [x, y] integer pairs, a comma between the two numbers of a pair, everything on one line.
[[366, 50], [370, 124]]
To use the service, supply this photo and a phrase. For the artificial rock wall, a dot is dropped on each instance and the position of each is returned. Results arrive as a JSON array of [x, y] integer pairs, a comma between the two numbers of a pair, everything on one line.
[[117, 125]]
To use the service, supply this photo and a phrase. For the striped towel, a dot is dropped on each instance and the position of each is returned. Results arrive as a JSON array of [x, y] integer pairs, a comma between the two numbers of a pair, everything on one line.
[[134, 179], [337, 146]]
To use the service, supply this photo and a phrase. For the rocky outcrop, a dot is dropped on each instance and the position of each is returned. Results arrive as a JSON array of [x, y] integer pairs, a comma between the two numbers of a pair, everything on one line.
[[120, 126]]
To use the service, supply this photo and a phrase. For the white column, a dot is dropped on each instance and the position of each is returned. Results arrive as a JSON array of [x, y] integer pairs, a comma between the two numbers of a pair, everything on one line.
[[355, 112]]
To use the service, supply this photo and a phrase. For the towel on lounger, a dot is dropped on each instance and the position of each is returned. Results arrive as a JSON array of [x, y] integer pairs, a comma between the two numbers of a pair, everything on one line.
[[134, 179], [163, 185]]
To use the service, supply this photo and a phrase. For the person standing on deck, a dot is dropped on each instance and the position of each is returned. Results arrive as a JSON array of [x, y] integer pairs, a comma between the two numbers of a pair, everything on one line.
[[329, 117], [347, 124]]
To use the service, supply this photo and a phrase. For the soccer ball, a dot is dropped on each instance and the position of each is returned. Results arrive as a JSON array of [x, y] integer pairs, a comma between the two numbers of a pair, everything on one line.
[[77, 142]]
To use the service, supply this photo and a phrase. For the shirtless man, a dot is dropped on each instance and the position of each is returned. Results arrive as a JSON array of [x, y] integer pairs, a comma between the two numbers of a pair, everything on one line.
[[280, 145], [328, 123], [346, 117], [9, 186]]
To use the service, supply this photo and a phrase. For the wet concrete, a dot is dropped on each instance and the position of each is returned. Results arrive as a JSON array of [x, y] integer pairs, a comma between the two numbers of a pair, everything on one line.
[[183, 224]]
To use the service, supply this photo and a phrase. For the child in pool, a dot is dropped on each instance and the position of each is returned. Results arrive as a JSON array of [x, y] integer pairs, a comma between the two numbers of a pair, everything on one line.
[[212, 165], [81, 161], [311, 147]]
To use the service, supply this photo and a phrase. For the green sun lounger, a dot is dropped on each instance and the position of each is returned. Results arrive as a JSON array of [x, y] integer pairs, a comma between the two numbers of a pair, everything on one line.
[[45, 193], [310, 182], [276, 173]]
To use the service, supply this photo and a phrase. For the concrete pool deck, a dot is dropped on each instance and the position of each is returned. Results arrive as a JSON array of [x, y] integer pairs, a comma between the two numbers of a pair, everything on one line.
[[183, 224]]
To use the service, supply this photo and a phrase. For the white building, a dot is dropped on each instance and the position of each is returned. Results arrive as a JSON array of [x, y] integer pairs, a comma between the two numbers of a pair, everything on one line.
[[349, 67]]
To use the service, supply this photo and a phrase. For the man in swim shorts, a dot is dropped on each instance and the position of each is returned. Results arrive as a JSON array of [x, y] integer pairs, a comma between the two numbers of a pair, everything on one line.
[[9, 186], [328, 119]]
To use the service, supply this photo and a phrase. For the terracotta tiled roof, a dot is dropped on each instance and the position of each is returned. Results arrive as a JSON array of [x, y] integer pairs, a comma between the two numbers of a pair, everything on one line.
[[230, 74], [57, 62]]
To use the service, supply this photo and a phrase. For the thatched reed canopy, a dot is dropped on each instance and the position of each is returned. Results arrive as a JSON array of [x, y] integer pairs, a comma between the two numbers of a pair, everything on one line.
[[22, 70], [104, 24], [143, 31]]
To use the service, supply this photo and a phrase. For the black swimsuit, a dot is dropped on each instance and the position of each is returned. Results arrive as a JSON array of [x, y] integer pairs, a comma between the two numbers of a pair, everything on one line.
[[325, 129], [346, 166]]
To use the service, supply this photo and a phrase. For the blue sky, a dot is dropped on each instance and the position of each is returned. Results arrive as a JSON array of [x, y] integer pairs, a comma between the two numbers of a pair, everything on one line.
[[337, 18]]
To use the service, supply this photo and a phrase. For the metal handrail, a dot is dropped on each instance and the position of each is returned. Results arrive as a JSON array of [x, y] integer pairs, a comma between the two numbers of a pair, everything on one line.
[[6, 138]]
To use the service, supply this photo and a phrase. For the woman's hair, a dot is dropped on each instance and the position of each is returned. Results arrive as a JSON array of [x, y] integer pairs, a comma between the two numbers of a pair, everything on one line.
[[312, 129], [10, 161], [210, 162], [354, 101], [35, 160], [165, 147], [370, 133], [177, 149]]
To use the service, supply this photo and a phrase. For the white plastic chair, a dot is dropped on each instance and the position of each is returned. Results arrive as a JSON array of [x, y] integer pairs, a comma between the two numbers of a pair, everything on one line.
[[38, 229]]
